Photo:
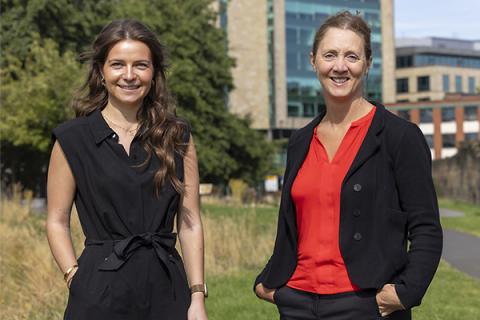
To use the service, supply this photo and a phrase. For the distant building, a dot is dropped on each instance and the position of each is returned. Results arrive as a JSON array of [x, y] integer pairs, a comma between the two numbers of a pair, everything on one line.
[[445, 122], [271, 41], [437, 87], [429, 68]]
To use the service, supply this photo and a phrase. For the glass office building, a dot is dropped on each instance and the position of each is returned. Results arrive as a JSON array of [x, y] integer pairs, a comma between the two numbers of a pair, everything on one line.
[[302, 19], [271, 41]]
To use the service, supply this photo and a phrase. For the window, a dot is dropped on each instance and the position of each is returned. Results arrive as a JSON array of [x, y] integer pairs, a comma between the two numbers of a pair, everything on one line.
[[402, 85], [292, 36], [471, 85], [446, 83], [470, 113], [405, 114], [308, 110], [292, 64], [404, 62], [423, 83], [448, 114], [448, 140], [306, 36], [429, 138], [458, 83], [471, 136], [293, 88], [426, 115], [293, 110], [424, 99]]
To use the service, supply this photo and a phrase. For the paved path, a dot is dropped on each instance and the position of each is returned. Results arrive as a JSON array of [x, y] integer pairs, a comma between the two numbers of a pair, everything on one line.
[[462, 251], [450, 213]]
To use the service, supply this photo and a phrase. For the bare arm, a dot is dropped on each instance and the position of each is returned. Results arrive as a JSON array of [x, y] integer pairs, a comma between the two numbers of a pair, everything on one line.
[[60, 193], [190, 231]]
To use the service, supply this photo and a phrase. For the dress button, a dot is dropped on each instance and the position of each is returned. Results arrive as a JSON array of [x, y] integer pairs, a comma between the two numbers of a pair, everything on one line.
[[357, 236], [106, 259], [356, 212], [357, 187]]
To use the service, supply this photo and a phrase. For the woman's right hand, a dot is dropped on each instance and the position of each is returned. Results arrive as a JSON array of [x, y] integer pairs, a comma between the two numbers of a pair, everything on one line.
[[265, 293], [70, 277]]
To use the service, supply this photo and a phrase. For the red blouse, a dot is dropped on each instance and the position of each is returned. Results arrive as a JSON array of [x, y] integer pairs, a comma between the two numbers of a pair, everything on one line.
[[316, 194]]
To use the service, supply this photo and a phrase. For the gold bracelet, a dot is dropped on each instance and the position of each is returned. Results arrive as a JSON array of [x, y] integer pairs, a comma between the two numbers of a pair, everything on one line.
[[67, 273]]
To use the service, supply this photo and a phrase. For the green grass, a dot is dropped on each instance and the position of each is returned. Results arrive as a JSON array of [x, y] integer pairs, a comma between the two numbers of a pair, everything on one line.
[[469, 223], [265, 217], [232, 297], [451, 296]]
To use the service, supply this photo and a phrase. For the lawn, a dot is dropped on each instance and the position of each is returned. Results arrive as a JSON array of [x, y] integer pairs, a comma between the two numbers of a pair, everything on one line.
[[451, 296], [238, 241]]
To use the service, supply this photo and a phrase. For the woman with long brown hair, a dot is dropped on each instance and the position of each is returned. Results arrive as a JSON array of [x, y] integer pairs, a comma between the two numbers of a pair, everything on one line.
[[129, 165]]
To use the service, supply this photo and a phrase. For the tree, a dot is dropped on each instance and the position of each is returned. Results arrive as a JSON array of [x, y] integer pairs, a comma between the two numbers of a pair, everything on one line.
[[39, 77]]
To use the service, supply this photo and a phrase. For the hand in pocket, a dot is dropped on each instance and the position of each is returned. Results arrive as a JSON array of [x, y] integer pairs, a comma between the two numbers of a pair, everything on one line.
[[388, 300], [265, 293]]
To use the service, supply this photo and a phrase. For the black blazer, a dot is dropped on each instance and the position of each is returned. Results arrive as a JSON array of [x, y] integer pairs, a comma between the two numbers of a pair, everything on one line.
[[387, 198]]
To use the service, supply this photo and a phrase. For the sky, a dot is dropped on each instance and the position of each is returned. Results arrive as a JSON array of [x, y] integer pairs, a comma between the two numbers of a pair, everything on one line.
[[441, 18]]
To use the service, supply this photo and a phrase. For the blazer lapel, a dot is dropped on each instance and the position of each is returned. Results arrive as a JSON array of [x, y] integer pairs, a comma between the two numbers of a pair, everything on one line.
[[371, 142], [298, 152]]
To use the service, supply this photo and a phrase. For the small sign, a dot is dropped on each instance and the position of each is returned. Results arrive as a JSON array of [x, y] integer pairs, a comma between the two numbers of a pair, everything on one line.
[[271, 184]]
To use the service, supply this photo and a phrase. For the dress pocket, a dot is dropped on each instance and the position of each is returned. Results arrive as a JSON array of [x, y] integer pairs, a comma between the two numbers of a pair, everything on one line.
[[74, 281]]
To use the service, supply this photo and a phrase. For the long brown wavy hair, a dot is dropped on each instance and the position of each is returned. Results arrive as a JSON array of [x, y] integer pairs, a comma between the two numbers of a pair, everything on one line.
[[160, 130]]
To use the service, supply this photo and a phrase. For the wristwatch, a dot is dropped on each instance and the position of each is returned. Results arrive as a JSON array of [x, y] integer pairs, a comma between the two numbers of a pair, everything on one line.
[[200, 288]]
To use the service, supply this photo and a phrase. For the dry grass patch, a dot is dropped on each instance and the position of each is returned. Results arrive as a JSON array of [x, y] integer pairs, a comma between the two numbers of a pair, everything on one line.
[[32, 286], [235, 243]]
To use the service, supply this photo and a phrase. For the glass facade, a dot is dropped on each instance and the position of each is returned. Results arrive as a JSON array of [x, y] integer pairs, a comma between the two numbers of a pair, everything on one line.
[[429, 138], [470, 113], [458, 83], [405, 114], [419, 60], [426, 115], [448, 140], [302, 18], [471, 136], [423, 83], [402, 85], [448, 113], [446, 83], [471, 85]]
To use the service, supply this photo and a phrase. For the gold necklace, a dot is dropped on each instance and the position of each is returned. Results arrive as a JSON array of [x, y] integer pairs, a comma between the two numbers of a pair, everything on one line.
[[130, 132]]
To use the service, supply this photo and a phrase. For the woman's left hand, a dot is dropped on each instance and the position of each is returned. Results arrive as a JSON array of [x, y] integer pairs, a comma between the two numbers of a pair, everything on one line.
[[197, 310], [388, 300]]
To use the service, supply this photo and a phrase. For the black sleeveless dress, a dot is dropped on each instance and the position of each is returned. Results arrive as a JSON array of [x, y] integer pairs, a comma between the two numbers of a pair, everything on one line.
[[129, 268]]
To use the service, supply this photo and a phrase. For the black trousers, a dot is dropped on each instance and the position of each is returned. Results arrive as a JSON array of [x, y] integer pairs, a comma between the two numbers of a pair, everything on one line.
[[300, 305]]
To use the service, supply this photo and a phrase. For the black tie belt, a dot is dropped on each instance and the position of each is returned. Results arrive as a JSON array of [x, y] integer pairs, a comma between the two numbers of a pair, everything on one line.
[[162, 243]]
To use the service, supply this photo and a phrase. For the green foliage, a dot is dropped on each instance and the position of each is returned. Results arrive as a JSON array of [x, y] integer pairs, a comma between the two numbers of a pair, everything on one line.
[[35, 96], [39, 75]]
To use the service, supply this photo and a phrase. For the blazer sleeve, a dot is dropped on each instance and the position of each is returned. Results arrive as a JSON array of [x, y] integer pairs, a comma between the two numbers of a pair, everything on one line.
[[413, 176]]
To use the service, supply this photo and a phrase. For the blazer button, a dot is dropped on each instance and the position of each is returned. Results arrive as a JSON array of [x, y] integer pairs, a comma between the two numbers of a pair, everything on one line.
[[356, 212], [357, 236], [357, 187]]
